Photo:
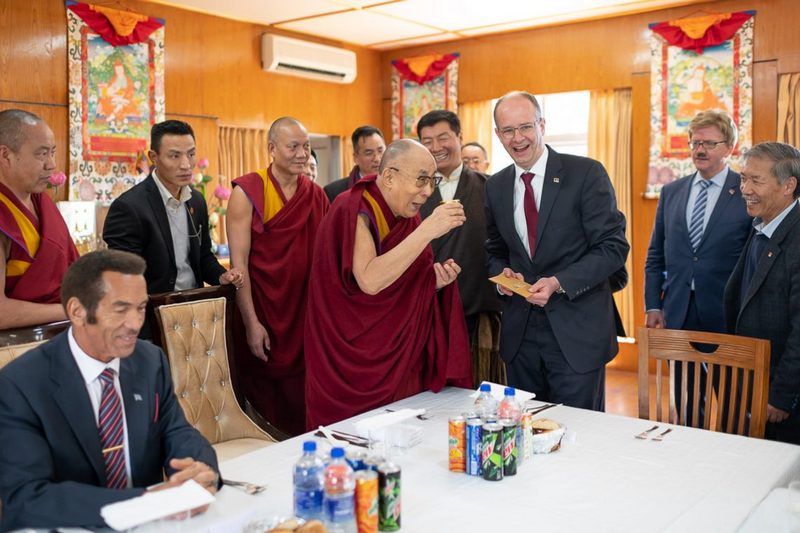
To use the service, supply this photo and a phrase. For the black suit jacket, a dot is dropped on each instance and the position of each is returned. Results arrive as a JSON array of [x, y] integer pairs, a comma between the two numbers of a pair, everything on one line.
[[771, 308], [51, 467], [580, 239], [137, 222], [335, 188]]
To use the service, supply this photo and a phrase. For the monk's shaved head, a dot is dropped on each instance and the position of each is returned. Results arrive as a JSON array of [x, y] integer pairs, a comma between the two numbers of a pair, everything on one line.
[[279, 124], [400, 151], [12, 123]]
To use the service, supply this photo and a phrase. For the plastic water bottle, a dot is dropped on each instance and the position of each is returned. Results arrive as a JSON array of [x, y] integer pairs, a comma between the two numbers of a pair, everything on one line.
[[510, 407], [485, 404], [309, 480], [340, 485]]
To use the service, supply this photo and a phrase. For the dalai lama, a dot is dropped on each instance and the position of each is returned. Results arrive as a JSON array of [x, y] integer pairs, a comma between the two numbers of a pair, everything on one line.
[[384, 321], [35, 245]]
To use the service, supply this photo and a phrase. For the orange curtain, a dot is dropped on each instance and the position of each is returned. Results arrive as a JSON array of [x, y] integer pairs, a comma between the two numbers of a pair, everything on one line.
[[476, 123], [789, 109], [609, 140]]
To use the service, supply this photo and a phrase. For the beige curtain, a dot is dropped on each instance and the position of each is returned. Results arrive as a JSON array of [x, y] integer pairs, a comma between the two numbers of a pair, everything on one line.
[[476, 123], [609, 142], [789, 109], [241, 150], [347, 155]]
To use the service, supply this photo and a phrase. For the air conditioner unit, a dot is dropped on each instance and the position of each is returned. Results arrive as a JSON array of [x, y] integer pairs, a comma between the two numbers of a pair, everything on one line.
[[285, 55]]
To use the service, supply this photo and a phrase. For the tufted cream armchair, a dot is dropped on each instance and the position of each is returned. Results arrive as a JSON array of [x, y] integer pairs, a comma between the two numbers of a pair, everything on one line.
[[194, 338]]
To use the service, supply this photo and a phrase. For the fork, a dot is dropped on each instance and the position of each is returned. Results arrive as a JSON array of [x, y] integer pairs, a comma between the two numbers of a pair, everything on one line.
[[423, 416], [248, 488], [661, 436], [643, 434]]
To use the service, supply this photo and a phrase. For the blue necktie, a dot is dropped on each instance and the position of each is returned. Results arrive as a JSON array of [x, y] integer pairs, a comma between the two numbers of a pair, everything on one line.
[[699, 214], [754, 252]]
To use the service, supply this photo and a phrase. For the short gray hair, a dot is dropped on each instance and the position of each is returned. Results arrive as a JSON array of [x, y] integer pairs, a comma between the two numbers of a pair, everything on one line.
[[785, 159], [279, 123], [11, 124], [523, 94], [396, 150]]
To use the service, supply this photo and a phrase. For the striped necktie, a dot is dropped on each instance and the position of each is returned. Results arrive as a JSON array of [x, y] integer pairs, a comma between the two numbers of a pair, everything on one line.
[[112, 435], [699, 214]]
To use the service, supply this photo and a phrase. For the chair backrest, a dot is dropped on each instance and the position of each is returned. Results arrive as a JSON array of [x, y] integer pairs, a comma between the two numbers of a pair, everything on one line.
[[9, 353], [736, 383], [195, 340]]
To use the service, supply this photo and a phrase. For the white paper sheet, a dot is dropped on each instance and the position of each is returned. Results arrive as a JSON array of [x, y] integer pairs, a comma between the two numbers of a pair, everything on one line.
[[154, 505]]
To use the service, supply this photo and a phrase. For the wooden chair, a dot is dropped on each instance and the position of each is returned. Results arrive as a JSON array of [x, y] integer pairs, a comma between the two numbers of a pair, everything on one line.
[[195, 340], [736, 384]]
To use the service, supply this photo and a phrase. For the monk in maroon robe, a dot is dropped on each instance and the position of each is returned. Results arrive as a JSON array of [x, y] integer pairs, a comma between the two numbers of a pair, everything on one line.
[[384, 322], [273, 216], [35, 245]]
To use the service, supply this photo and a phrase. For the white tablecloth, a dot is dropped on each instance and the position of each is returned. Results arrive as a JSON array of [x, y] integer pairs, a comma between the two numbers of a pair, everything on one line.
[[604, 480]]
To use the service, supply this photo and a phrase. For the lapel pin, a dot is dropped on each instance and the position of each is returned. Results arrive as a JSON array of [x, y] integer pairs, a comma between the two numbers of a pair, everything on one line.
[[769, 254], [137, 397], [731, 191], [556, 180]]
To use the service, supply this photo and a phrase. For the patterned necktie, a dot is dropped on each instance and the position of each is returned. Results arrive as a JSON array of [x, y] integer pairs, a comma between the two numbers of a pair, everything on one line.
[[112, 435], [699, 215], [754, 252], [531, 213]]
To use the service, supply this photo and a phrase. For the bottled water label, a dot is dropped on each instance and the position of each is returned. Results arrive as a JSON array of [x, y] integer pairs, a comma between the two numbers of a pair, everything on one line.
[[340, 509], [308, 503]]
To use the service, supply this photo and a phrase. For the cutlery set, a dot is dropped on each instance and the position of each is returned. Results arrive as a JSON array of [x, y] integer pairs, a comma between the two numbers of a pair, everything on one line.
[[646, 433]]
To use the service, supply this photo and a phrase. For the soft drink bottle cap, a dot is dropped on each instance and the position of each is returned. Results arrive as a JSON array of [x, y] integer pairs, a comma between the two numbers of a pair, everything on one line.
[[485, 387], [510, 391], [336, 453], [309, 446]]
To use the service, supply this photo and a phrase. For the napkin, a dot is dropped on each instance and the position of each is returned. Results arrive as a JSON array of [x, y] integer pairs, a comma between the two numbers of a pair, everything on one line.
[[154, 505], [498, 391], [377, 427]]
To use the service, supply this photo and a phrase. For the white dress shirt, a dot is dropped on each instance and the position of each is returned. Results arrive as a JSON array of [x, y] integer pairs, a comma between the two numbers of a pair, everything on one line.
[[449, 184], [520, 222], [769, 229], [179, 228], [91, 369]]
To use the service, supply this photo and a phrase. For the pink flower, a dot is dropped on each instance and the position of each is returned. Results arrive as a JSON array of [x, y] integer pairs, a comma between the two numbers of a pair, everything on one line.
[[57, 179], [203, 164], [222, 192]]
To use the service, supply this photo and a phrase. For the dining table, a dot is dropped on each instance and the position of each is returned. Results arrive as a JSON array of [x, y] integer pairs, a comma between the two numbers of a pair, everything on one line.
[[601, 478]]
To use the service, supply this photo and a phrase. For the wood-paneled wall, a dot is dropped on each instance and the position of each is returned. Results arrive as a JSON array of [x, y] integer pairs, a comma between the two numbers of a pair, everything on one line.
[[612, 53], [213, 73]]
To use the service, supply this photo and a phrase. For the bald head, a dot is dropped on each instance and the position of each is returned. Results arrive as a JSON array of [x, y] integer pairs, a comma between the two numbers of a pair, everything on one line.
[[402, 152], [280, 124], [12, 127]]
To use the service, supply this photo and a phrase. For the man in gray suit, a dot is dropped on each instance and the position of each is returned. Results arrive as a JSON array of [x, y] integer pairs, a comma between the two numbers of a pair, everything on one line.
[[91, 418], [762, 298]]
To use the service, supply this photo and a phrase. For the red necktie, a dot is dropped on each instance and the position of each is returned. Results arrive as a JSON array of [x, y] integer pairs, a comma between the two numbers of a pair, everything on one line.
[[531, 213], [112, 435]]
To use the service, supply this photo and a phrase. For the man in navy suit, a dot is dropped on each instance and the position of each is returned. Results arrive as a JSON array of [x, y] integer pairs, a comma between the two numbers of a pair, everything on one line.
[[90, 418], [553, 221], [762, 298], [700, 229]]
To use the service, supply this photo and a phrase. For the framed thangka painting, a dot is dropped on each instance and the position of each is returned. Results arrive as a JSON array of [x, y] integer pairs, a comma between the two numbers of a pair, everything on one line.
[[422, 84], [697, 64], [116, 93]]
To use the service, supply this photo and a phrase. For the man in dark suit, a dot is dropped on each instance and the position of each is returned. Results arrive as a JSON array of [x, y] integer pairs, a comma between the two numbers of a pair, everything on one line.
[[700, 229], [90, 418], [552, 220], [440, 132], [762, 298], [368, 148], [165, 221]]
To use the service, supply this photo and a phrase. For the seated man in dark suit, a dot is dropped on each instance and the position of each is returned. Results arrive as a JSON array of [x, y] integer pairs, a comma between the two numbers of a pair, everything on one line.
[[165, 221], [90, 417]]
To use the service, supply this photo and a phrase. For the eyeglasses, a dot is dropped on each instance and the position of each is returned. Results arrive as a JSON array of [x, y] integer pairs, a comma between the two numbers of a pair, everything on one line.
[[524, 130], [708, 145], [424, 180]]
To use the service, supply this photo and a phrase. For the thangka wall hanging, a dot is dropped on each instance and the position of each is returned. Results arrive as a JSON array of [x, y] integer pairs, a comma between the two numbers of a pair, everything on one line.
[[116, 93], [698, 64], [422, 84]]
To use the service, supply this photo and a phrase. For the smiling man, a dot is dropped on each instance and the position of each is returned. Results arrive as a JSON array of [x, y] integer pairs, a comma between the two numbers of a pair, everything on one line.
[[165, 221], [91, 418], [440, 132], [368, 148], [553, 221], [762, 298], [35, 245], [385, 320], [273, 219]]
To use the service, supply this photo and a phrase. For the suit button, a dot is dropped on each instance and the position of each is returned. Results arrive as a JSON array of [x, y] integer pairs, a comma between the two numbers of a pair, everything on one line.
[[694, 259], [172, 281]]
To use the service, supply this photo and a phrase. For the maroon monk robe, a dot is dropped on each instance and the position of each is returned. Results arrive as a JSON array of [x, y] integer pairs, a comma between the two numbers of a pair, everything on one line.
[[279, 264], [35, 277], [364, 351]]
